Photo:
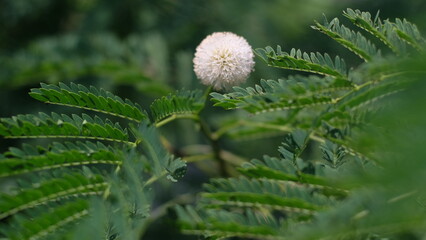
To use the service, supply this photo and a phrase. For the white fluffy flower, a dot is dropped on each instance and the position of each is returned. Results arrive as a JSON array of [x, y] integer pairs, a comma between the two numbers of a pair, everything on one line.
[[223, 60]]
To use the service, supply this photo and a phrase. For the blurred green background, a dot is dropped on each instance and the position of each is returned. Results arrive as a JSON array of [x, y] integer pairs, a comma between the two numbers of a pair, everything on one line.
[[143, 49]]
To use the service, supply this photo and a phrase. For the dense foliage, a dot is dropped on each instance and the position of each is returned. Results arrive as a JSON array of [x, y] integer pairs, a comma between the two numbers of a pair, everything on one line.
[[364, 123], [349, 166]]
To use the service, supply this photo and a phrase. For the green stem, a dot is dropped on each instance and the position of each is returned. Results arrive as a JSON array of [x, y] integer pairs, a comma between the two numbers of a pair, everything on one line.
[[197, 158], [359, 87], [186, 116], [154, 178], [233, 159], [215, 147], [356, 89], [176, 116], [222, 131], [204, 129]]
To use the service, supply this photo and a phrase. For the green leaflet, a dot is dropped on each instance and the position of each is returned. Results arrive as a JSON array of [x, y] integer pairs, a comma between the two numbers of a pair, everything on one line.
[[76, 170], [181, 104], [260, 172], [48, 222], [88, 98], [339, 100], [137, 163], [271, 185], [392, 34], [69, 185], [302, 61], [263, 194], [62, 126], [160, 160], [354, 41], [409, 33], [30, 158], [382, 30], [223, 224], [389, 199], [262, 200], [296, 92]]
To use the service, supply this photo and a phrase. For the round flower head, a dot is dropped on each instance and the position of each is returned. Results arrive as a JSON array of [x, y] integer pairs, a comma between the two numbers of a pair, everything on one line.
[[223, 60]]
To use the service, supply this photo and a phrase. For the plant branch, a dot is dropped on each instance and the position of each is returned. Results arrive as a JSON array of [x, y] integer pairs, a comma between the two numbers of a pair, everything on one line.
[[176, 116]]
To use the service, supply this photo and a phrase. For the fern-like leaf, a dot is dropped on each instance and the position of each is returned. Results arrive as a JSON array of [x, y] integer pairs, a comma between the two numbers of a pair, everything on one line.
[[295, 93], [31, 159], [181, 104], [44, 224], [222, 224], [368, 94], [160, 160], [410, 34], [51, 190], [262, 193], [384, 31], [354, 41], [278, 170], [62, 126], [90, 99], [302, 61], [272, 187]]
